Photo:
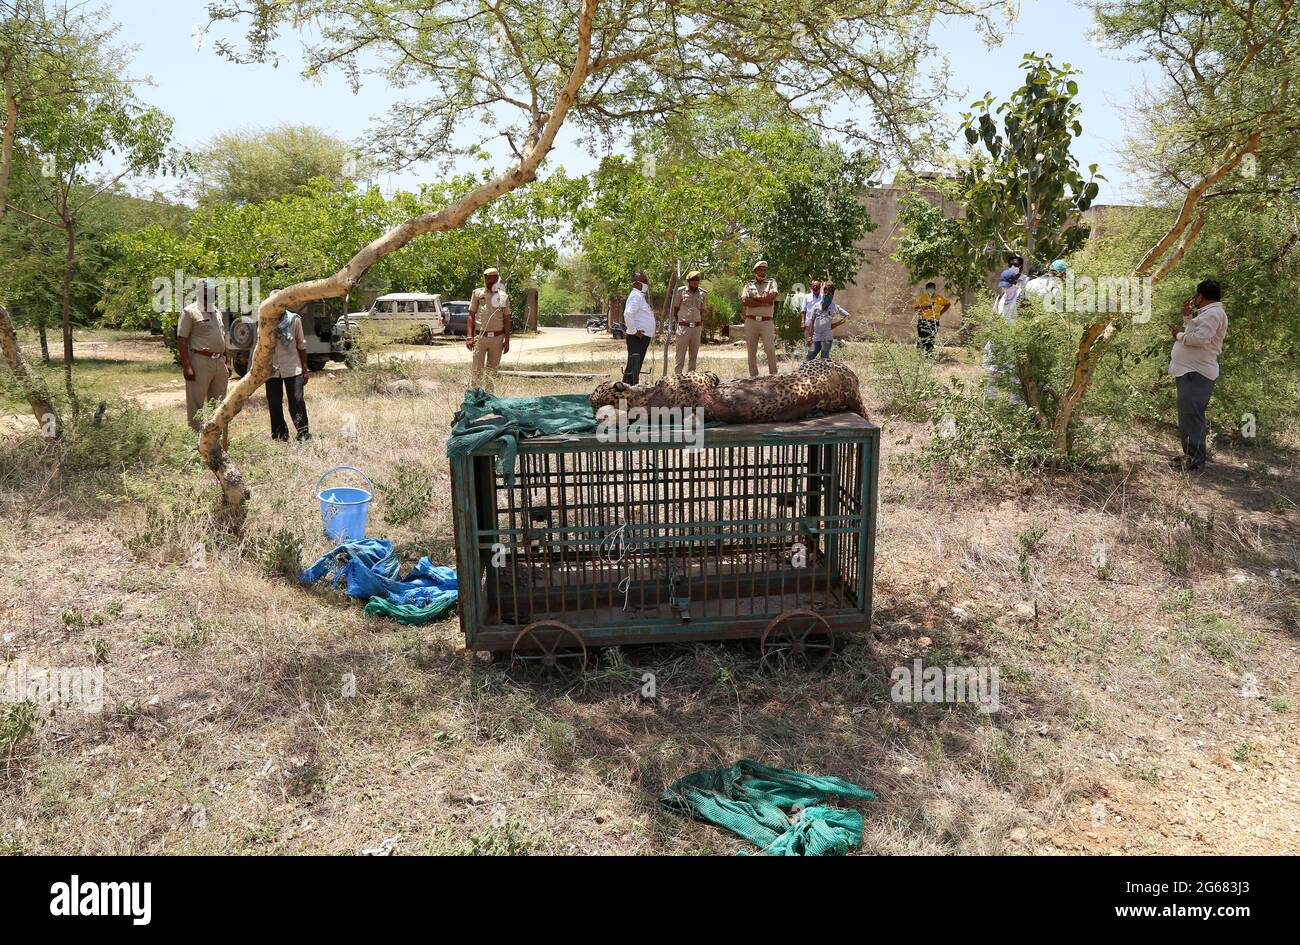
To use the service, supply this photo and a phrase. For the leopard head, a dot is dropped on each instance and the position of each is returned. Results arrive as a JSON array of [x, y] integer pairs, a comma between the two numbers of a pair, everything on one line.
[[619, 394]]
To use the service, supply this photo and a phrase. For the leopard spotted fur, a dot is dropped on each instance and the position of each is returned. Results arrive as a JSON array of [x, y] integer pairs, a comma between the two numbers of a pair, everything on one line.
[[818, 386]]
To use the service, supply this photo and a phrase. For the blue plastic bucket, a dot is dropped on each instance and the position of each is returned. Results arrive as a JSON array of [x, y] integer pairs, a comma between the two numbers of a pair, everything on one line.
[[343, 509]]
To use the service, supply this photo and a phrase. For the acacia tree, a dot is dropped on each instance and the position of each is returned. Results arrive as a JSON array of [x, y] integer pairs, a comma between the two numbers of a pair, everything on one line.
[[1231, 97], [518, 70]]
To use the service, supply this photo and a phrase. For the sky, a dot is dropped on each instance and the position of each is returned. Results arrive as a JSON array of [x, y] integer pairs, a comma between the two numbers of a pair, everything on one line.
[[204, 94]]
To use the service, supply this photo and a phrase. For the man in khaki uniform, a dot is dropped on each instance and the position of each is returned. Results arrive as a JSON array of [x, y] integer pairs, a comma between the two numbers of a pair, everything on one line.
[[201, 339], [488, 330], [758, 305], [688, 309]]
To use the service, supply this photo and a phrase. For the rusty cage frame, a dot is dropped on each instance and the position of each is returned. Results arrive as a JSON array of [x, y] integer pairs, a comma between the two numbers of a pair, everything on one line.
[[658, 541]]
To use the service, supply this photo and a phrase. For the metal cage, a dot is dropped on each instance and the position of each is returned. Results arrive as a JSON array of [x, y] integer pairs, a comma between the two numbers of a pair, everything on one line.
[[657, 541]]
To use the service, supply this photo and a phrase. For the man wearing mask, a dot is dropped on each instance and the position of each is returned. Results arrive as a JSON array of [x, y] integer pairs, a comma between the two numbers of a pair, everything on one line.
[[288, 380], [201, 342], [688, 309], [827, 316], [810, 305], [1194, 363], [639, 319], [487, 332], [930, 306], [758, 305]]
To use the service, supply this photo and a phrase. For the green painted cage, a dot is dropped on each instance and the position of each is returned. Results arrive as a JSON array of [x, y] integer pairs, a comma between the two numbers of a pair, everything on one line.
[[763, 531]]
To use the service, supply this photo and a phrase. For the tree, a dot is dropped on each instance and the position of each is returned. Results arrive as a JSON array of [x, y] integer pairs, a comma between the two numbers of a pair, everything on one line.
[[68, 107], [1020, 185], [1231, 95], [523, 68], [41, 57], [1231, 99], [71, 138], [252, 166], [1023, 192], [279, 242], [719, 188]]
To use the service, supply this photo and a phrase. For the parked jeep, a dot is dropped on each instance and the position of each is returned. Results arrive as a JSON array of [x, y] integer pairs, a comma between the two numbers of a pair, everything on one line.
[[241, 334], [404, 316]]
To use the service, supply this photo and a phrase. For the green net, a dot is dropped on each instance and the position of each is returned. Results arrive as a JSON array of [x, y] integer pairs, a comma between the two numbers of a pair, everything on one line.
[[756, 802], [483, 418]]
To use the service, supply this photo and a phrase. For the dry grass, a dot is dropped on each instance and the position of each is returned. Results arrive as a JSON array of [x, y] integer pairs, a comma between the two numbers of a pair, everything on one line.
[[230, 727]]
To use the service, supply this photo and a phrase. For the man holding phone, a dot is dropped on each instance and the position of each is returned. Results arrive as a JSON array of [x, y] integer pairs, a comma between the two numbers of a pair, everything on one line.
[[1194, 363]]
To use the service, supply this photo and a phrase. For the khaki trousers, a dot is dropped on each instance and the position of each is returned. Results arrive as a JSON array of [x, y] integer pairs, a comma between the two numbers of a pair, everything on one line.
[[210, 378], [486, 349], [687, 345], [766, 330]]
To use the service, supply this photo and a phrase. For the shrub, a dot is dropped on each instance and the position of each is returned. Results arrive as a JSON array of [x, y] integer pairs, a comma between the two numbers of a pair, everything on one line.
[[903, 375], [17, 724], [407, 495], [976, 437], [278, 554], [97, 450]]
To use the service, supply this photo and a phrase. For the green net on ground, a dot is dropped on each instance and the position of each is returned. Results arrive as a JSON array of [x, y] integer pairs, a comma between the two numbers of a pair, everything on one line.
[[755, 802], [483, 418]]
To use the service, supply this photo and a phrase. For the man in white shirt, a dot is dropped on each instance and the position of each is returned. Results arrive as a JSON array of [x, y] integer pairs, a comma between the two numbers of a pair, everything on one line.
[[813, 301], [639, 319], [1048, 288], [1194, 363]]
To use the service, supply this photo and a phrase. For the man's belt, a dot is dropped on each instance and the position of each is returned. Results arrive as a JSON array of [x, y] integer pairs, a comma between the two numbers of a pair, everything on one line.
[[490, 334], [208, 354], [758, 318], [688, 324]]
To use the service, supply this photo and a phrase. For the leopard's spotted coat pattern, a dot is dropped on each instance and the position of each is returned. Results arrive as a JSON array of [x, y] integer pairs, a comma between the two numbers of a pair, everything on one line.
[[818, 386]]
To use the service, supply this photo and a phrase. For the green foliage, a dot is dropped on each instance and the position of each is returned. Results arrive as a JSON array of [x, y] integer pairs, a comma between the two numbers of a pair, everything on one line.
[[554, 303], [302, 236], [904, 376], [716, 190], [1247, 244], [97, 448], [1028, 541], [813, 225], [278, 554], [253, 166], [722, 303], [1020, 185], [18, 722], [975, 437], [407, 495]]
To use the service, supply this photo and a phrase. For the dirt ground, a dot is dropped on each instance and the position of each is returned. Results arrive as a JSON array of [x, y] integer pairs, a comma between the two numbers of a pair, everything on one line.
[[1146, 629]]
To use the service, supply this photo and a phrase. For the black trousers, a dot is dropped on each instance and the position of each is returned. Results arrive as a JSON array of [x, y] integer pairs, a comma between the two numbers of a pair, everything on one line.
[[636, 349], [926, 330], [1194, 392], [276, 389]]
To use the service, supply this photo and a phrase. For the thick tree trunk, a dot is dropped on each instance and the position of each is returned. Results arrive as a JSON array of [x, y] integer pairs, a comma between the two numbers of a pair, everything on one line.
[[33, 387], [234, 489]]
